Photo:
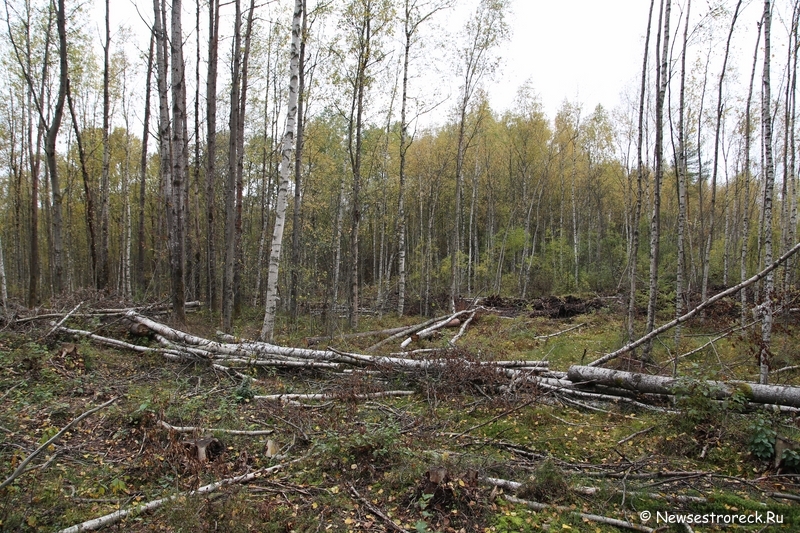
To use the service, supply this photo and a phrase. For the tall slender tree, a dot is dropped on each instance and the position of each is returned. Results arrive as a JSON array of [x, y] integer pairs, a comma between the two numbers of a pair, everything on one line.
[[769, 183], [715, 164], [298, 168], [680, 172], [637, 211], [50, 150], [414, 15], [211, 152], [662, 79], [140, 234], [103, 272], [176, 202], [268, 327], [485, 30]]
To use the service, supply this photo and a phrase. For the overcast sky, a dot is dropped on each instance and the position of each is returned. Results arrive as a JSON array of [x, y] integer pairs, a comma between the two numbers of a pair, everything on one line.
[[585, 51], [581, 50]]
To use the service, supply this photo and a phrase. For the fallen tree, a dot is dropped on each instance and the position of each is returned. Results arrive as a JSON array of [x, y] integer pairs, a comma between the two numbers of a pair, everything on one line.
[[683, 318], [644, 383]]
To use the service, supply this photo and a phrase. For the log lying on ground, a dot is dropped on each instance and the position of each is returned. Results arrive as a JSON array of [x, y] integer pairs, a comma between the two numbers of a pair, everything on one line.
[[116, 516], [152, 309], [311, 341], [766, 394], [450, 321], [683, 318], [258, 352]]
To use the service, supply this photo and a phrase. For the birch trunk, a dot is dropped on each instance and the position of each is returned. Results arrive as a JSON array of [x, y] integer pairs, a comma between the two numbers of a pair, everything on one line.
[[769, 181], [655, 223], [50, 151], [680, 168], [746, 208], [286, 164], [165, 146], [228, 285], [637, 213], [211, 153], [643, 383], [177, 238], [298, 169], [103, 271]]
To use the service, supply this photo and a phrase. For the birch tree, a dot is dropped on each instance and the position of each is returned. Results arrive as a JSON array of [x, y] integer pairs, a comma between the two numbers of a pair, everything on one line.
[[103, 272], [211, 152], [680, 172], [637, 212], [50, 149], [485, 30], [769, 182], [655, 222], [287, 143], [176, 200], [414, 15]]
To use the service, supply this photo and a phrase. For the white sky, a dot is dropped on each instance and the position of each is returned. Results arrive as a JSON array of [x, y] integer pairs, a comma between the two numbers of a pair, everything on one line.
[[584, 51], [580, 50]]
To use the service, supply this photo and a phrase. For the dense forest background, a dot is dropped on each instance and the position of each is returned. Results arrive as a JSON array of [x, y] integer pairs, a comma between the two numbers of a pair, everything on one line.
[[160, 171]]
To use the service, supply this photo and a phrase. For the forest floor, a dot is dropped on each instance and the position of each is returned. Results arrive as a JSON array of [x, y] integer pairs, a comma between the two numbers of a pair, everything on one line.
[[421, 463]]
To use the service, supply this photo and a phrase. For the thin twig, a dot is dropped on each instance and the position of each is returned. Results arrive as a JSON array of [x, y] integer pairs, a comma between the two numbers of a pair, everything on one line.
[[21, 468], [586, 516], [194, 429], [557, 333], [116, 516], [501, 415], [634, 435], [60, 322], [374, 510]]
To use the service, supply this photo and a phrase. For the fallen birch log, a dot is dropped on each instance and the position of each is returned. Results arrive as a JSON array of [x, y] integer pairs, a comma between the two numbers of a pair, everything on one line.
[[683, 318], [156, 309], [427, 332], [21, 468], [324, 396], [585, 516], [195, 429], [754, 392], [408, 331], [462, 330], [310, 341], [116, 516]]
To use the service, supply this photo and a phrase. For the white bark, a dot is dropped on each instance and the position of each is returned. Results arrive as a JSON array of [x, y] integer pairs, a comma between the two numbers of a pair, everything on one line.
[[268, 327], [116, 516], [662, 76], [754, 392], [683, 318], [365, 396], [429, 331], [769, 181], [3, 287]]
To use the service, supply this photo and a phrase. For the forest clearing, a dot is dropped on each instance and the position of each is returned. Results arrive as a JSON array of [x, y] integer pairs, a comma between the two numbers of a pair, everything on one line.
[[199, 431], [292, 267]]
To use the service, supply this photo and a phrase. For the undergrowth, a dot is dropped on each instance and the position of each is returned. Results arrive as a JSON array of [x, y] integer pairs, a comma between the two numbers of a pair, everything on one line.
[[417, 461]]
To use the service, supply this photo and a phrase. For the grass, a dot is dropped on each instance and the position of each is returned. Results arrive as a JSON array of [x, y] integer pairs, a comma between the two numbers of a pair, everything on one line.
[[388, 451]]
